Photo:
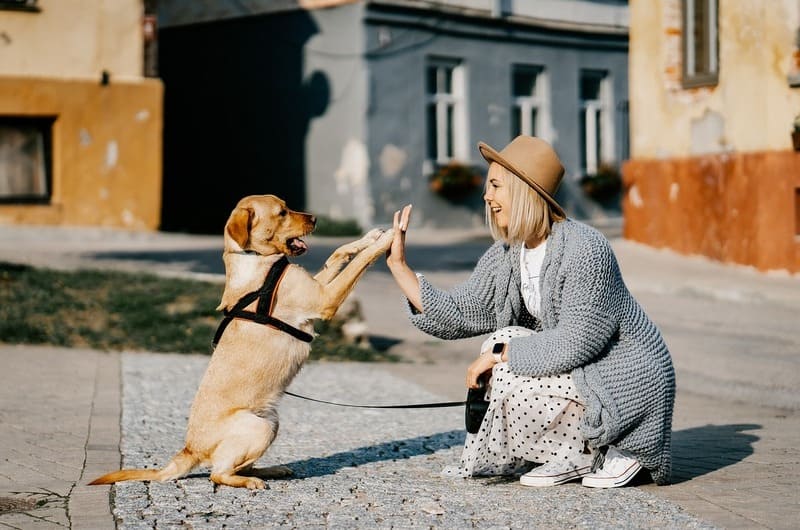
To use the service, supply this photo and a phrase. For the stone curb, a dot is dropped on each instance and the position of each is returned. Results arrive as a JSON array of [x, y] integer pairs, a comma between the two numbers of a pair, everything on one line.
[[90, 506]]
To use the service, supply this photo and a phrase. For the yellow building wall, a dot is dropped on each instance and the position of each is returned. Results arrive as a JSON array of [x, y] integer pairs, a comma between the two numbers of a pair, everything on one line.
[[107, 139], [752, 102], [713, 170], [106, 158], [73, 39]]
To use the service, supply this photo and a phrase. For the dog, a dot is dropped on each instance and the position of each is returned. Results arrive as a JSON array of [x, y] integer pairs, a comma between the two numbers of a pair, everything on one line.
[[234, 417]]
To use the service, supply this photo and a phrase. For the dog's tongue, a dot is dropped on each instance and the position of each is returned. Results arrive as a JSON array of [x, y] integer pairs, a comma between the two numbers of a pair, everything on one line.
[[298, 246]]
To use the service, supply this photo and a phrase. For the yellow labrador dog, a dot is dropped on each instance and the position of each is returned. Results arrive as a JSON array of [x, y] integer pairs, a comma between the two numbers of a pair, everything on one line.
[[234, 416]]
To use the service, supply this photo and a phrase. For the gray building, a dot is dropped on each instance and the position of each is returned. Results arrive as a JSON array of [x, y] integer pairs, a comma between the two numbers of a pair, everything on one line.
[[346, 108]]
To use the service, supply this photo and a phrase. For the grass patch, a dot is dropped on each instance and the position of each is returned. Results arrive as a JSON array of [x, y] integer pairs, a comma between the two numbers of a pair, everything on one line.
[[112, 311]]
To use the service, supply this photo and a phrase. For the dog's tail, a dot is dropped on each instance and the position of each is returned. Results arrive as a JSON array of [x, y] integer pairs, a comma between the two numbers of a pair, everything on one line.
[[180, 464]]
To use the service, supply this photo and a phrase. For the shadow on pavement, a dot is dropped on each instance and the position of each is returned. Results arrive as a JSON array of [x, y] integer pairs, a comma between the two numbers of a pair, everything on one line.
[[392, 450], [700, 450]]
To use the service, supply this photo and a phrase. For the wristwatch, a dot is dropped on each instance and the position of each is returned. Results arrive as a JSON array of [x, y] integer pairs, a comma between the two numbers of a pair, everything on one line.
[[497, 351]]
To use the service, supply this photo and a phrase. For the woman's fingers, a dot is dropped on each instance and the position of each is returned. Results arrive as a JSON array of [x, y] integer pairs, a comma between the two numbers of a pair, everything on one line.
[[479, 366], [405, 217]]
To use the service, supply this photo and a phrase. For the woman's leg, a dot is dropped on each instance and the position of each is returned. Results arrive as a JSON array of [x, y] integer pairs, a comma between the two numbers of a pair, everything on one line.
[[529, 420]]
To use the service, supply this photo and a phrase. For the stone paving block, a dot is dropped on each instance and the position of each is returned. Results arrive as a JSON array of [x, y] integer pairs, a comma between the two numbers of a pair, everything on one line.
[[353, 468]]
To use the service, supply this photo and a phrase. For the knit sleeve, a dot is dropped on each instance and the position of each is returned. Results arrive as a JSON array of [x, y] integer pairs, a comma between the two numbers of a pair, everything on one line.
[[586, 324], [464, 311]]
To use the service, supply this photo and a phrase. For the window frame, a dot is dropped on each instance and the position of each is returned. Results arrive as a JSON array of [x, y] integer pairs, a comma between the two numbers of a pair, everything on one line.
[[691, 78], [539, 100], [454, 101], [600, 113], [45, 126], [20, 5]]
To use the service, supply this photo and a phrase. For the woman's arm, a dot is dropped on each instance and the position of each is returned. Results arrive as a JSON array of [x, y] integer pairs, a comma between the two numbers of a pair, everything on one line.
[[465, 311]]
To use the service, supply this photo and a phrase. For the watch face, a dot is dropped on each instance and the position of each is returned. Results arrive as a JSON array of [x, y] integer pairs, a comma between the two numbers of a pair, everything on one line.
[[498, 347]]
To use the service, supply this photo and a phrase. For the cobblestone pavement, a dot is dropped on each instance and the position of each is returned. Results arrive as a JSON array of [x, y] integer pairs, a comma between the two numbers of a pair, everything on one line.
[[353, 468]]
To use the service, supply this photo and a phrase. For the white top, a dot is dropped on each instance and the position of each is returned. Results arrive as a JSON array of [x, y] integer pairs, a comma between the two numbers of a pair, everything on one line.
[[530, 266]]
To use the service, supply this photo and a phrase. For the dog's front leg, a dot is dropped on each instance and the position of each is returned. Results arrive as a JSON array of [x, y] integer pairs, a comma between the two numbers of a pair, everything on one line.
[[339, 287], [342, 255]]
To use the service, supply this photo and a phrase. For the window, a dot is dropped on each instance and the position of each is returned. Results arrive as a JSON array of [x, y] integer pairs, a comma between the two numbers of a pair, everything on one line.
[[446, 119], [596, 120], [700, 53], [19, 5], [25, 159], [530, 108]]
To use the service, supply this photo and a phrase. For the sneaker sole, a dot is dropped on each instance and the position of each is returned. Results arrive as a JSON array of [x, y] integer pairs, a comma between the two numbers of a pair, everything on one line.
[[612, 482], [563, 478]]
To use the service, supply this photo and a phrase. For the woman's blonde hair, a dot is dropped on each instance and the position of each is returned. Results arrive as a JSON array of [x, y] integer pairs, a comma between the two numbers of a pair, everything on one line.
[[530, 214]]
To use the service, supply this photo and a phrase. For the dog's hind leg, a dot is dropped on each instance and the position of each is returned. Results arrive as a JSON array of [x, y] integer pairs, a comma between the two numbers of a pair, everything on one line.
[[342, 255], [247, 437]]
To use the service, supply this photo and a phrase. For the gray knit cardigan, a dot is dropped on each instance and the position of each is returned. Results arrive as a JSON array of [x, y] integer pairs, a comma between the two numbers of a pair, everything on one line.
[[591, 326]]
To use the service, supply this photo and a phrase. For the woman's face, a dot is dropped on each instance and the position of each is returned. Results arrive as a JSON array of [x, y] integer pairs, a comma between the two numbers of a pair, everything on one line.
[[498, 194]]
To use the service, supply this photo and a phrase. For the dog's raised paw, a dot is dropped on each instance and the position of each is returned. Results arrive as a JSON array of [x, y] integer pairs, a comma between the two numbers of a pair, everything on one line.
[[373, 234], [385, 240]]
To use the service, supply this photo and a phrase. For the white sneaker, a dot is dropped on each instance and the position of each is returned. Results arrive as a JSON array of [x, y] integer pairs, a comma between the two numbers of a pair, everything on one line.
[[618, 469], [555, 473]]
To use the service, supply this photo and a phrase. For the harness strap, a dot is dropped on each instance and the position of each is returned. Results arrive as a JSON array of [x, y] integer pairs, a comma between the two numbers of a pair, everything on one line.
[[263, 314]]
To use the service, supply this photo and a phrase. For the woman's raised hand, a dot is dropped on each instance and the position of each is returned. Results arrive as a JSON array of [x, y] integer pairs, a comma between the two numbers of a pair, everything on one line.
[[396, 256], [396, 260]]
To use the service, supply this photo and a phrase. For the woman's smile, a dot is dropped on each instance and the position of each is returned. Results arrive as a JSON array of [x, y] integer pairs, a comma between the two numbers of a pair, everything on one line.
[[497, 195]]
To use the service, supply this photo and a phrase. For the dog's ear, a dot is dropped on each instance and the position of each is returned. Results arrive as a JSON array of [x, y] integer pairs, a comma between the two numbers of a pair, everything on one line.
[[238, 226]]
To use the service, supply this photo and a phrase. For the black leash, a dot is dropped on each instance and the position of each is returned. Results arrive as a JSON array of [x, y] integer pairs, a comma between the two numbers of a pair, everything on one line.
[[263, 314], [412, 406]]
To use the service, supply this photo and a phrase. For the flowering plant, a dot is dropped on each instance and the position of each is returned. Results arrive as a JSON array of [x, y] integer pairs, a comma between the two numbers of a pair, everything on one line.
[[603, 185], [455, 181]]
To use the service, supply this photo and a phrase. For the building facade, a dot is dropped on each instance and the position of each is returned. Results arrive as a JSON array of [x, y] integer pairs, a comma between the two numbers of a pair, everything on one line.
[[80, 126], [715, 95], [347, 108]]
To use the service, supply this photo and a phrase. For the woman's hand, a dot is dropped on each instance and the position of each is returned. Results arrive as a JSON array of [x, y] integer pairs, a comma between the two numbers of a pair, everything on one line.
[[396, 260], [484, 363], [396, 256]]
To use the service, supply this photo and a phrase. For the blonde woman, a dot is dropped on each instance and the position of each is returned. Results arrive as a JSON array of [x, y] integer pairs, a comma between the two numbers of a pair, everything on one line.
[[581, 384]]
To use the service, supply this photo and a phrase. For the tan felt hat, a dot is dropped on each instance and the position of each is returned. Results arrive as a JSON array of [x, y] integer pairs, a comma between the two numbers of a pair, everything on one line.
[[534, 161]]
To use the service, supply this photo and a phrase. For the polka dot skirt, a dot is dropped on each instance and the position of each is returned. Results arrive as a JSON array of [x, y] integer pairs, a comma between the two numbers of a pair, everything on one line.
[[529, 420]]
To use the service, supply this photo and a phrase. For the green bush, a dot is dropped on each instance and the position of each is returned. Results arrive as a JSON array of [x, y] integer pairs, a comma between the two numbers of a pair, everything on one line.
[[327, 226]]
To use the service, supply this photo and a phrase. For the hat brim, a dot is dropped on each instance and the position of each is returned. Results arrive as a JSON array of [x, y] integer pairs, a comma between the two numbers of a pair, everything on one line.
[[491, 155]]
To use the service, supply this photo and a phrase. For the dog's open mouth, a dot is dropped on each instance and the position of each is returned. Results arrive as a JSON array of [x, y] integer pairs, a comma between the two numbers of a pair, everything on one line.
[[297, 246]]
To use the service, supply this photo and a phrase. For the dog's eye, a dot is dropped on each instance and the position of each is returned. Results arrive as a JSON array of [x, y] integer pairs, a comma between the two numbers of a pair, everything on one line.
[[282, 213]]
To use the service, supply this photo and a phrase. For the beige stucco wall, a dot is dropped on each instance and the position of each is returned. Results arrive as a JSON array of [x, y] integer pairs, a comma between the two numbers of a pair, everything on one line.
[[106, 151], [750, 109], [106, 139], [73, 39]]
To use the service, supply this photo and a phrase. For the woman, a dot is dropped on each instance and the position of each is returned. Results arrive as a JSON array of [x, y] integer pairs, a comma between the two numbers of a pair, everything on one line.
[[581, 380]]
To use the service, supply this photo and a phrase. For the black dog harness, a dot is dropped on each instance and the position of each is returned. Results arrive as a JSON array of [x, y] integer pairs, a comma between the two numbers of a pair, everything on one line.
[[263, 314]]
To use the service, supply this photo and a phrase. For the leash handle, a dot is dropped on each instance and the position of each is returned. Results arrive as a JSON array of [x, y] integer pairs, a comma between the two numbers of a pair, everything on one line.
[[410, 406]]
